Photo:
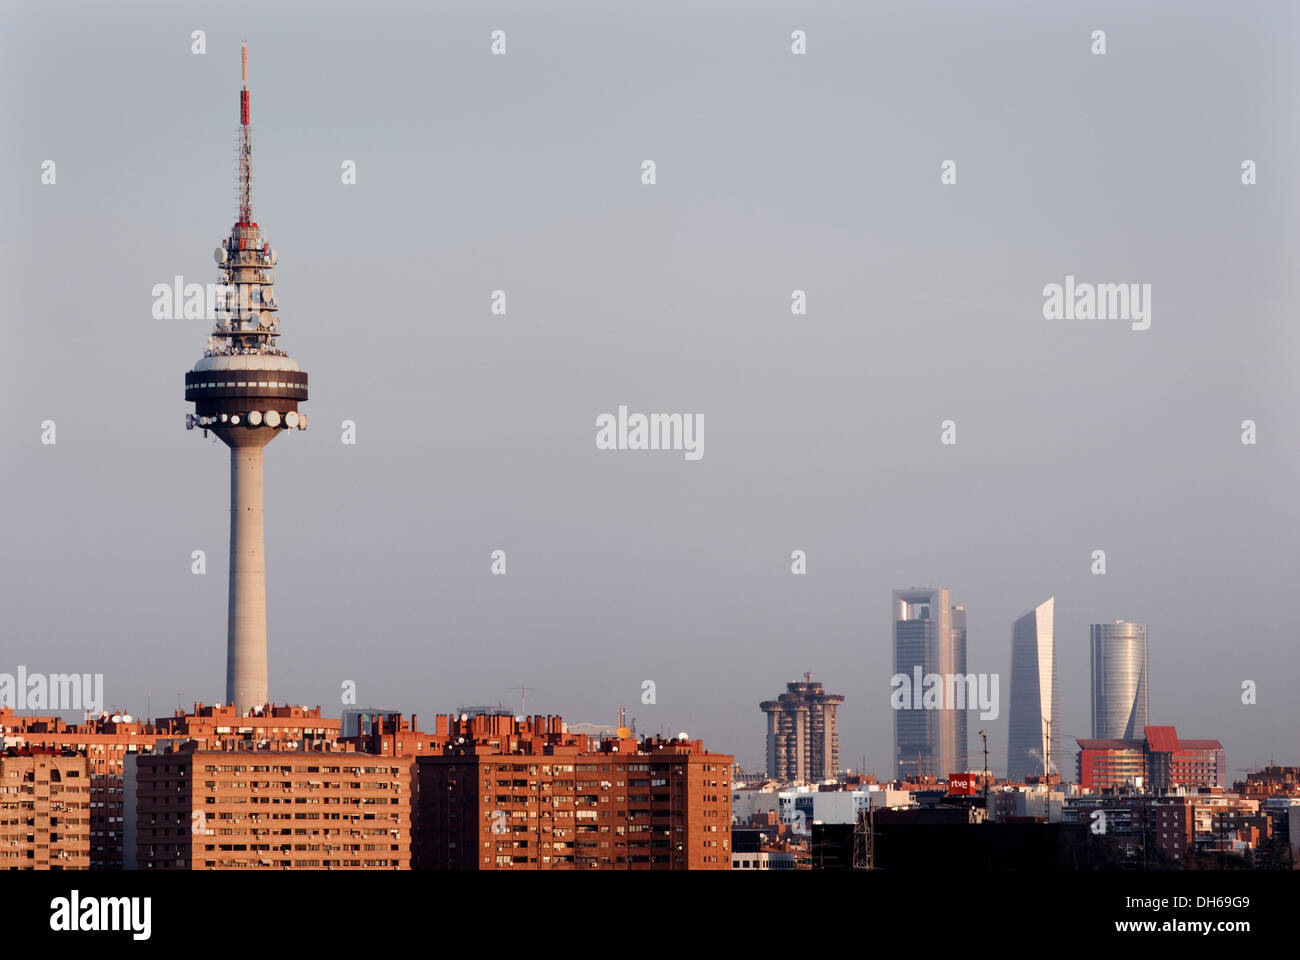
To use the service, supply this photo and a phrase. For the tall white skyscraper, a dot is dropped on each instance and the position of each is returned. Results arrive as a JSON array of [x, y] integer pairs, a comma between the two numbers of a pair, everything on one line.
[[1119, 680], [1035, 700]]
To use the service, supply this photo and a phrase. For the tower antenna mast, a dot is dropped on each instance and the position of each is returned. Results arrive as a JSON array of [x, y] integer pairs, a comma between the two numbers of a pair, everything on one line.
[[245, 148], [523, 697]]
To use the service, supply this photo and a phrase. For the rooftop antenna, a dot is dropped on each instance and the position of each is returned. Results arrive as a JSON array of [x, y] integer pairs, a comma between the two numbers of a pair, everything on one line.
[[985, 737], [523, 697]]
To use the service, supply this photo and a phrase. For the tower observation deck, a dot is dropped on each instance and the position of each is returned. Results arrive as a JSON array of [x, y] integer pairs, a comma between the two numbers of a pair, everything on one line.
[[246, 390]]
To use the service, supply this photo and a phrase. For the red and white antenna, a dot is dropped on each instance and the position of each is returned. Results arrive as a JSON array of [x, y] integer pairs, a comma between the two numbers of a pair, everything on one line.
[[245, 150]]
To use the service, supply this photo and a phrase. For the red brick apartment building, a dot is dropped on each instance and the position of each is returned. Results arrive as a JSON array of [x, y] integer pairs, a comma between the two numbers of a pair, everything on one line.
[[107, 740], [44, 810], [285, 788], [1173, 825], [1134, 820], [102, 743], [1272, 781], [327, 807], [510, 795]]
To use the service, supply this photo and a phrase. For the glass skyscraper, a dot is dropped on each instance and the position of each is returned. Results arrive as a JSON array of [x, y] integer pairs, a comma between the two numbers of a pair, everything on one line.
[[929, 638], [1119, 680]]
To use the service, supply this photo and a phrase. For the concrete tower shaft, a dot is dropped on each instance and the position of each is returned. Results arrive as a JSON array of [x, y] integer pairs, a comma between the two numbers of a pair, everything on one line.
[[247, 682], [245, 389]]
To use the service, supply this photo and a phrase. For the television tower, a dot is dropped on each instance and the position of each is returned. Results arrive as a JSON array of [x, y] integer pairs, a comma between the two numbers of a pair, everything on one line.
[[246, 390]]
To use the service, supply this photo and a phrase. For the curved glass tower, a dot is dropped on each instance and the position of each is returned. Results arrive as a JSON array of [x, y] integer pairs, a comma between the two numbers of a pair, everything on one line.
[[1119, 680]]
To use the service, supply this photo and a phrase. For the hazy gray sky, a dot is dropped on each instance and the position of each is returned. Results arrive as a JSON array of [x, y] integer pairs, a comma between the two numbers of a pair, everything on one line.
[[476, 432]]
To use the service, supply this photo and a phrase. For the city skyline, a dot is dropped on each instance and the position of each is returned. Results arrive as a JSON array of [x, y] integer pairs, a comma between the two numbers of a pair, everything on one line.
[[1033, 656], [474, 430]]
